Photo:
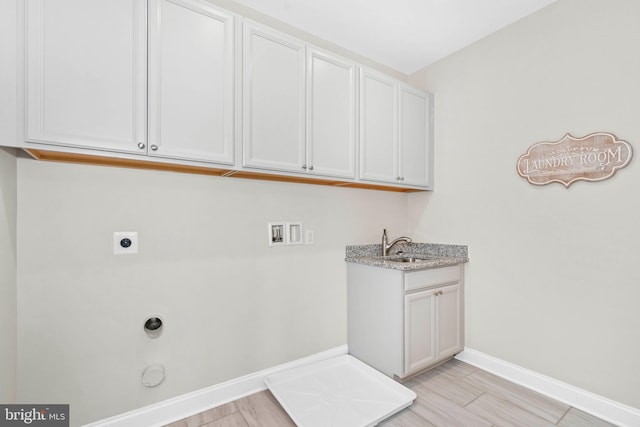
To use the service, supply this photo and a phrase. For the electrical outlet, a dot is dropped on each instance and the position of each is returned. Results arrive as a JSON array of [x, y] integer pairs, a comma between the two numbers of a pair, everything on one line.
[[309, 237], [125, 242]]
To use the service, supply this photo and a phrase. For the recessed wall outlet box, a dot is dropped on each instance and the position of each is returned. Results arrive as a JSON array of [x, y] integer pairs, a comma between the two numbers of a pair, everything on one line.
[[125, 242], [309, 237], [277, 233], [294, 233]]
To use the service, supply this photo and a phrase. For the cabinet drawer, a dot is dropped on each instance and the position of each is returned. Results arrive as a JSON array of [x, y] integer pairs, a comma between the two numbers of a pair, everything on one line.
[[429, 278]]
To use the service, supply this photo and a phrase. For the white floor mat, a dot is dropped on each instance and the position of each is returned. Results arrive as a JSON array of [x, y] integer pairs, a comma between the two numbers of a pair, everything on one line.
[[338, 392]]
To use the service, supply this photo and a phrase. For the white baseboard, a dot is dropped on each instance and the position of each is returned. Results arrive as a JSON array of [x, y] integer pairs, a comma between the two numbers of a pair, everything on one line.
[[168, 411], [601, 407]]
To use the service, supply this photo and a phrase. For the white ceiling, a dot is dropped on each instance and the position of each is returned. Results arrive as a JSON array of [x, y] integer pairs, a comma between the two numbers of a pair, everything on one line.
[[405, 35]]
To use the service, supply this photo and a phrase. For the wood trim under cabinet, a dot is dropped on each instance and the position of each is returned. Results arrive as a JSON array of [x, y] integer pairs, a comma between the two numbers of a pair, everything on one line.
[[56, 156]]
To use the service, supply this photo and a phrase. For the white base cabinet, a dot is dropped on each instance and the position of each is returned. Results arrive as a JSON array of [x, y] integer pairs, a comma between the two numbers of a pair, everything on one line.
[[404, 322]]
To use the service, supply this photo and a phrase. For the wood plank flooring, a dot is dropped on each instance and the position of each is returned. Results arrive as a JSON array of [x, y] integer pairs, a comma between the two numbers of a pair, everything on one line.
[[453, 394]]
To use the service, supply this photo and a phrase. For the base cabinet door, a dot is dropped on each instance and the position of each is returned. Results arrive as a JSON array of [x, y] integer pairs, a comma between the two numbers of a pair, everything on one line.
[[433, 326], [191, 63], [85, 66], [449, 321], [420, 332]]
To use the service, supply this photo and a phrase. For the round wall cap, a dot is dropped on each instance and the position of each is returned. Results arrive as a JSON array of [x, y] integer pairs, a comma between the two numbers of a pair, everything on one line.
[[153, 375]]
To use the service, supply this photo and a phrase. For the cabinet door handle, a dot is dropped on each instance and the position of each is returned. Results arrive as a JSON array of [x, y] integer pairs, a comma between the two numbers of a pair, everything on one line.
[[154, 147], [304, 167], [310, 168], [141, 145]]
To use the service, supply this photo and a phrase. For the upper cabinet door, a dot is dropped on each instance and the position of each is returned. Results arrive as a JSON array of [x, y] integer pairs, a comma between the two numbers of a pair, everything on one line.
[[331, 115], [86, 73], [191, 66], [415, 137], [378, 127], [274, 100]]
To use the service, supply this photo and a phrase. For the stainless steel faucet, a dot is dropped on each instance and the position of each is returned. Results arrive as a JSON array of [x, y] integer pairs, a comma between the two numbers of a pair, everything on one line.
[[386, 245]]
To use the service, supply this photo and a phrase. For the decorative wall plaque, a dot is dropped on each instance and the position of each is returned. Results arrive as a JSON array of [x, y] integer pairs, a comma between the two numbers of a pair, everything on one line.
[[595, 157]]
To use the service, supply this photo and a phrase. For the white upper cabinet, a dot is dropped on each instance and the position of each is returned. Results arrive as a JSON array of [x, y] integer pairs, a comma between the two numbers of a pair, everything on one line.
[[299, 106], [164, 78], [86, 73], [395, 132], [9, 101], [378, 127], [331, 115], [191, 96], [416, 150], [273, 100]]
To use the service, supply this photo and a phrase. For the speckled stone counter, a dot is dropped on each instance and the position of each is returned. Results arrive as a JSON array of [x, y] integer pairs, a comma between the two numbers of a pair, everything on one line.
[[430, 255]]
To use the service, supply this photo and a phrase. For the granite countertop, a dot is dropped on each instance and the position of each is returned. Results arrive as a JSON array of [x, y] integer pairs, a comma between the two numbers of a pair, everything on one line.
[[431, 255]]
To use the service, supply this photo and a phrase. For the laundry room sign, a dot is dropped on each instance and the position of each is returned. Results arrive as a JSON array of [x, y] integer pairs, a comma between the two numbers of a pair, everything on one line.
[[595, 157]]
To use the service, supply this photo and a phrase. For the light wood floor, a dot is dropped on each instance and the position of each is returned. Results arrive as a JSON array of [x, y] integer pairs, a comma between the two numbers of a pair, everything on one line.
[[453, 394]]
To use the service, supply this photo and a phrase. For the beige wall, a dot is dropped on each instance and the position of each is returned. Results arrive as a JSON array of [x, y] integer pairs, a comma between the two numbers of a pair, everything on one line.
[[8, 212], [553, 283], [231, 305]]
